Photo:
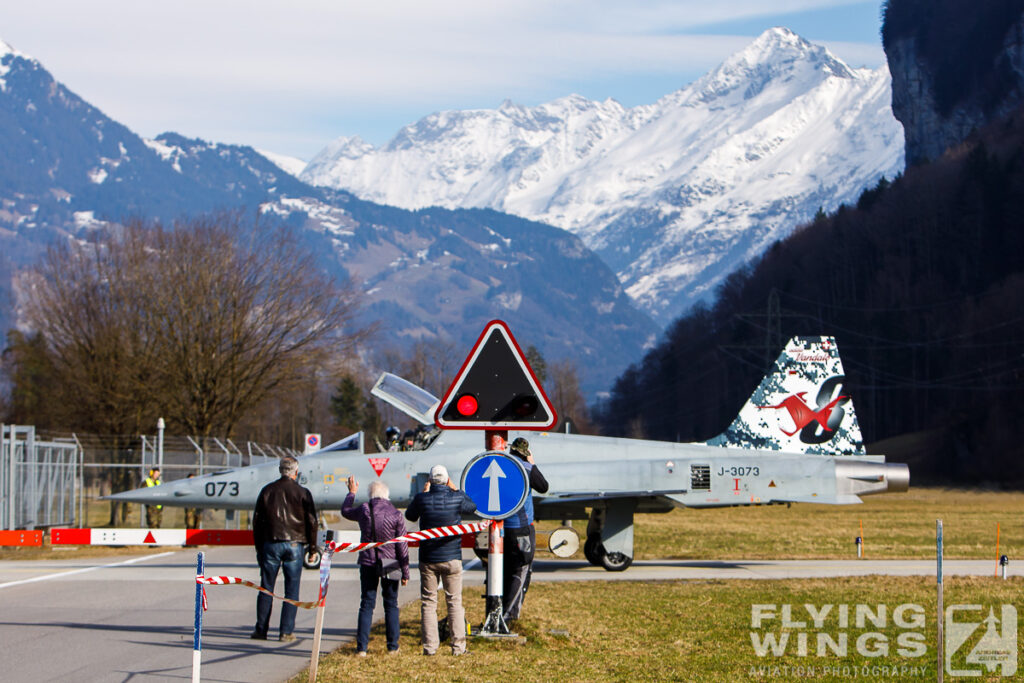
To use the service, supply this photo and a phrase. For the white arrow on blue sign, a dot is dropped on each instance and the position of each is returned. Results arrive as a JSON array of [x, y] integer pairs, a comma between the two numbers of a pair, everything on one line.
[[497, 482]]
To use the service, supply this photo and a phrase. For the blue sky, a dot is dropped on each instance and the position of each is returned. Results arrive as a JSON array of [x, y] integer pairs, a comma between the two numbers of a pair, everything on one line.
[[290, 77]]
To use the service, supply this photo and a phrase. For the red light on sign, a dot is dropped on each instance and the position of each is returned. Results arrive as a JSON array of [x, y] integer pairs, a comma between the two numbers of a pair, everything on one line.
[[466, 405]]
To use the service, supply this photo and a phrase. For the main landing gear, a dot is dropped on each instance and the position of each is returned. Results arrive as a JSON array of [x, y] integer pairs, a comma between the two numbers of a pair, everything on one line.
[[609, 541]]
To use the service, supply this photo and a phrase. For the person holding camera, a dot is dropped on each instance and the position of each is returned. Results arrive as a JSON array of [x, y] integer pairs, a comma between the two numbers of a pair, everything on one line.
[[441, 504], [386, 565], [520, 537]]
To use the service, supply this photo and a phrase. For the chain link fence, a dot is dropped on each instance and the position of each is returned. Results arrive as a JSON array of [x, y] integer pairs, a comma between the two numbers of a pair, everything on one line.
[[50, 479]]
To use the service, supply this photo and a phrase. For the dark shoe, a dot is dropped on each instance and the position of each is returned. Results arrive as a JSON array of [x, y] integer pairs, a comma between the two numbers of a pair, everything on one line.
[[287, 638], [256, 635]]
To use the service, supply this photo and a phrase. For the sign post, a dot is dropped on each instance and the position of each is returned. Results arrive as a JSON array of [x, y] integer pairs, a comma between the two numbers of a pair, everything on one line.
[[197, 629], [938, 590], [325, 579], [498, 484], [494, 391]]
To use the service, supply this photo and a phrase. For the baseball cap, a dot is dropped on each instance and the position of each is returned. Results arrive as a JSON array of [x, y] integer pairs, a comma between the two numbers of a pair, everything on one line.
[[438, 474], [521, 445]]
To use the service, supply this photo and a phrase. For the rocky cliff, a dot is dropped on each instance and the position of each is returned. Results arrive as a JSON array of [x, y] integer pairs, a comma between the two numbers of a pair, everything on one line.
[[956, 66]]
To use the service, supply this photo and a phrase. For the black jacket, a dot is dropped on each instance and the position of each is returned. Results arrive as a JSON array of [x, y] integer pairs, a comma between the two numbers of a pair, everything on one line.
[[440, 506], [284, 512]]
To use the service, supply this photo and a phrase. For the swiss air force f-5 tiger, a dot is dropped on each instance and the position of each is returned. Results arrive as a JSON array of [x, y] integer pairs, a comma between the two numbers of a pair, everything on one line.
[[797, 440]]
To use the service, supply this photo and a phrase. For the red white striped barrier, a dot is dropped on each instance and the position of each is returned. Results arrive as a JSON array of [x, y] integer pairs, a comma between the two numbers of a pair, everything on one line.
[[344, 546], [181, 537], [227, 580], [414, 537], [150, 537], [21, 537]]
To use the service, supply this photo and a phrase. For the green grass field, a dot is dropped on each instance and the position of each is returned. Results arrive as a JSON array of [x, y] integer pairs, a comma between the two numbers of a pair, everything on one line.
[[701, 630], [895, 526], [691, 631]]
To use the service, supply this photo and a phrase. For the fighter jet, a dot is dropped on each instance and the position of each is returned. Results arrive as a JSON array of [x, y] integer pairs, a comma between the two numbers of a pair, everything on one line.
[[796, 440]]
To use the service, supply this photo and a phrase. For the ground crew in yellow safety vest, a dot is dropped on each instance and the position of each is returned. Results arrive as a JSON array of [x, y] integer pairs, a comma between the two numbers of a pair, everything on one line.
[[154, 513], [193, 516]]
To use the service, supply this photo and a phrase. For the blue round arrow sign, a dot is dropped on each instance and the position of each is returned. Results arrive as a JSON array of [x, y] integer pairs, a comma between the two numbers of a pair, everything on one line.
[[497, 482]]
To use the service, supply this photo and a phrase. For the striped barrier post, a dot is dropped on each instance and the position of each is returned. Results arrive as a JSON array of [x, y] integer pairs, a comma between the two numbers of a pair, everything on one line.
[[197, 629]]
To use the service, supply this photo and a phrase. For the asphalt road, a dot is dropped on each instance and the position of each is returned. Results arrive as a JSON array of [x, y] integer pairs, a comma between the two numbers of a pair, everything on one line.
[[130, 618]]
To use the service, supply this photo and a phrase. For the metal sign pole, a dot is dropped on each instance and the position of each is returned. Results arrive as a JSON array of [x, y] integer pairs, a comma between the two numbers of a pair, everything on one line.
[[938, 574], [325, 577], [494, 622], [197, 630]]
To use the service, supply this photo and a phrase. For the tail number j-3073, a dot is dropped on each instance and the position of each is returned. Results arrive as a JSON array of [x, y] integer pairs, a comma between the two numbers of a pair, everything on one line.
[[742, 471]]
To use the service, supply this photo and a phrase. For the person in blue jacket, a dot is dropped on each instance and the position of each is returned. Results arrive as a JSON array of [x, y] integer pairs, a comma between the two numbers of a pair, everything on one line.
[[520, 538], [441, 504]]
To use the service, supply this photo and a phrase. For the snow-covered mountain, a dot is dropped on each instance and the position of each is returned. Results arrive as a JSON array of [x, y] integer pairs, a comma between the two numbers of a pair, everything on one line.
[[674, 195], [67, 169]]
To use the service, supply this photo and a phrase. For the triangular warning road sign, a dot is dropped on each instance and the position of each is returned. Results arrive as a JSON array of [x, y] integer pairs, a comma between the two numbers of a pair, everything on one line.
[[495, 388]]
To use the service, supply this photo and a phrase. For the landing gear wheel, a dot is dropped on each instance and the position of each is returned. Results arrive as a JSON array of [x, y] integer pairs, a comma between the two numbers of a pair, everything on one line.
[[593, 551], [616, 562], [315, 556]]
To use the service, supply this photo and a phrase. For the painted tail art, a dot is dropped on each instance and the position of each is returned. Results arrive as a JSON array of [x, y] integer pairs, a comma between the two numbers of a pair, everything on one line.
[[800, 406]]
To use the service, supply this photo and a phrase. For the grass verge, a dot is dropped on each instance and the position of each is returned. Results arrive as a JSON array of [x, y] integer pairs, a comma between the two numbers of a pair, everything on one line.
[[693, 631]]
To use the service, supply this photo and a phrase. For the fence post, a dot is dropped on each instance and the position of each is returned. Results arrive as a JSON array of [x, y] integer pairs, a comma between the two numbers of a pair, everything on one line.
[[160, 444]]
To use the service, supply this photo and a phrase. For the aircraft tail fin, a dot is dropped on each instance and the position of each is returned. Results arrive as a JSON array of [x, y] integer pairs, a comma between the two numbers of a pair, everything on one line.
[[800, 406]]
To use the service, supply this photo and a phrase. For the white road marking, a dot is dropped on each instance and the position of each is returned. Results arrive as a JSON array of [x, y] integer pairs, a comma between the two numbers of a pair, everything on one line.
[[83, 570]]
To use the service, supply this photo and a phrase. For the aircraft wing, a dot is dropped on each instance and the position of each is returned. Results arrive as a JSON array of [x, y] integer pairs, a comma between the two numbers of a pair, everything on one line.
[[417, 403]]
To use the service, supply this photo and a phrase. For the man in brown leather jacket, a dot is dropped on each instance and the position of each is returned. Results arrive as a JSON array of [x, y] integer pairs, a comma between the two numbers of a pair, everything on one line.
[[283, 527]]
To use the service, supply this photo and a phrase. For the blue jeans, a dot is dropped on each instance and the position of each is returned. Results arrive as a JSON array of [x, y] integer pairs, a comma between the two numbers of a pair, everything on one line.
[[368, 580], [277, 555]]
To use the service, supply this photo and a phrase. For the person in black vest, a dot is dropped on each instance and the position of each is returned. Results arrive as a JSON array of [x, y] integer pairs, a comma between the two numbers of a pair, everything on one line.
[[441, 504], [520, 538]]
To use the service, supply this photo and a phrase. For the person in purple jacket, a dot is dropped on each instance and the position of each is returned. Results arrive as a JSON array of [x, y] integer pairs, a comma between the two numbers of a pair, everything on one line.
[[378, 521]]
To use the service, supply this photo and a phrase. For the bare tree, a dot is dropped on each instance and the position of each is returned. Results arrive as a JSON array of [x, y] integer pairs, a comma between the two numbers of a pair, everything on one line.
[[567, 397], [199, 324]]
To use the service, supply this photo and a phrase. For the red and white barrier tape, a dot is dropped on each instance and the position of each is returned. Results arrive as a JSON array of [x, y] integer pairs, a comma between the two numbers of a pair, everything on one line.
[[226, 580], [424, 535]]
